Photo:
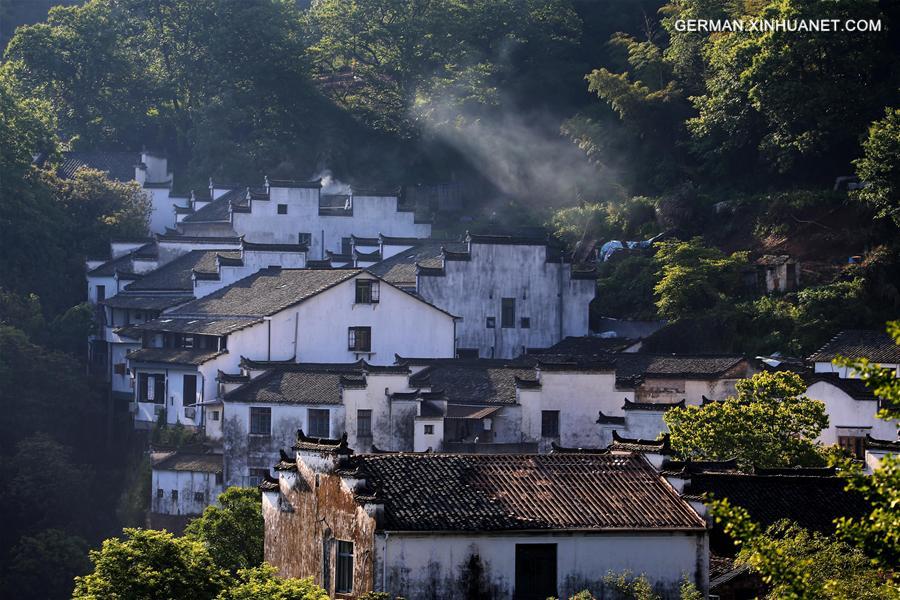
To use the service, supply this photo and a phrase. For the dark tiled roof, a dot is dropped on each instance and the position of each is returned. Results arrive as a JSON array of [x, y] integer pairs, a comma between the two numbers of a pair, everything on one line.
[[327, 445], [584, 346], [652, 406], [178, 273], [145, 301], [445, 492], [117, 165], [877, 346], [189, 461], [855, 388], [224, 377], [217, 210], [876, 444], [173, 356], [198, 325], [293, 183], [400, 269], [298, 384], [266, 292], [123, 263], [478, 381], [633, 366], [772, 260], [637, 445], [813, 502]]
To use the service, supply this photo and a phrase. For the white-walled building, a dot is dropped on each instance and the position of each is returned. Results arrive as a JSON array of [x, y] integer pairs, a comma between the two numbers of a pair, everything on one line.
[[492, 526], [291, 212], [150, 169], [851, 406], [295, 315], [512, 293], [183, 483]]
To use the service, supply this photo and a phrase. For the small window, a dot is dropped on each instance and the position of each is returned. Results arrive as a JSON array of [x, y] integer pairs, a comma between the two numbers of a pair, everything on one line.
[[491, 322], [187, 341], [282, 209], [550, 423], [508, 312], [214, 415], [260, 420], [343, 580], [364, 423], [219, 479], [138, 316], [160, 493], [525, 323], [304, 239], [257, 476], [854, 445], [346, 245], [367, 291], [174, 494], [429, 430], [359, 339], [101, 293], [189, 389], [319, 425], [199, 497]]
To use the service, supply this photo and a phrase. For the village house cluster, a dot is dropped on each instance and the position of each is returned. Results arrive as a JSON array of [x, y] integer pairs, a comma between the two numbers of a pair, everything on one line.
[[429, 417]]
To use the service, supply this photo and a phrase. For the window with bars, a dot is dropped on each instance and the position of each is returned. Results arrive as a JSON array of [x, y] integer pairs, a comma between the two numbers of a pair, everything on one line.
[[359, 339], [508, 312], [343, 579], [429, 430], [550, 423], [199, 497], [319, 425], [304, 239], [260, 420], [151, 388], [367, 291], [282, 209], [174, 494], [364, 423]]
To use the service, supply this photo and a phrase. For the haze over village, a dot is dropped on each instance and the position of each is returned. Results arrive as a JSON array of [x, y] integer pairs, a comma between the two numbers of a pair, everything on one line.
[[441, 300]]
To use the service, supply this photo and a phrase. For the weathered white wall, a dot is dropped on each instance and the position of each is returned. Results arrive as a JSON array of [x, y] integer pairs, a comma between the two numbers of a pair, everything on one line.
[[400, 324], [371, 215], [473, 289], [845, 411], [414, 563], [846, 372], [187, 483]]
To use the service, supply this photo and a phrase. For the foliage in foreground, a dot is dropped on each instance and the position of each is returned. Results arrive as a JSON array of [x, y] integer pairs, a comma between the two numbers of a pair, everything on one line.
[[769, 423], [233, 531], [798, 564], [148, 564]]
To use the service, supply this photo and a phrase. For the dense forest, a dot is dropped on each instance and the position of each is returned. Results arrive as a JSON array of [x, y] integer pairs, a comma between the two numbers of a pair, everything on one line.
[[600, 120]]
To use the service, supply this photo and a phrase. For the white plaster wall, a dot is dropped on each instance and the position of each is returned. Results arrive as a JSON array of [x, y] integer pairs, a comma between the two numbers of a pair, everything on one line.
[[371, 216], [376, 398], [425, 441], [582, 559], [162, 214], [846, 372], [123, 382], [169, 250], [244, 451], [400, 324], [844, 411], [474, 290], [187, 483], [254, 260], [111, 287], [578, 396]]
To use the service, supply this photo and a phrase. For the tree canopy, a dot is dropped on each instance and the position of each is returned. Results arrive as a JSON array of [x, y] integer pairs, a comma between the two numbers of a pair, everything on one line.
[[232, 531], [769, 423]]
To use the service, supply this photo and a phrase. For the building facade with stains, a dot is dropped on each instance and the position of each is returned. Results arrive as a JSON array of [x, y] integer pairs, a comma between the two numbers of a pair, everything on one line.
[[477, 526], [293, 315]]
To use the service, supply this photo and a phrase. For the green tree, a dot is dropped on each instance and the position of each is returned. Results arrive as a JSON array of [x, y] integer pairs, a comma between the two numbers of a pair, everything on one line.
[[798, 564], [261, 583], [879, 167], [878, 533], [148, 565], [694, 278], [233, 531], [625, 288], [45, 565], [768, 423]]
